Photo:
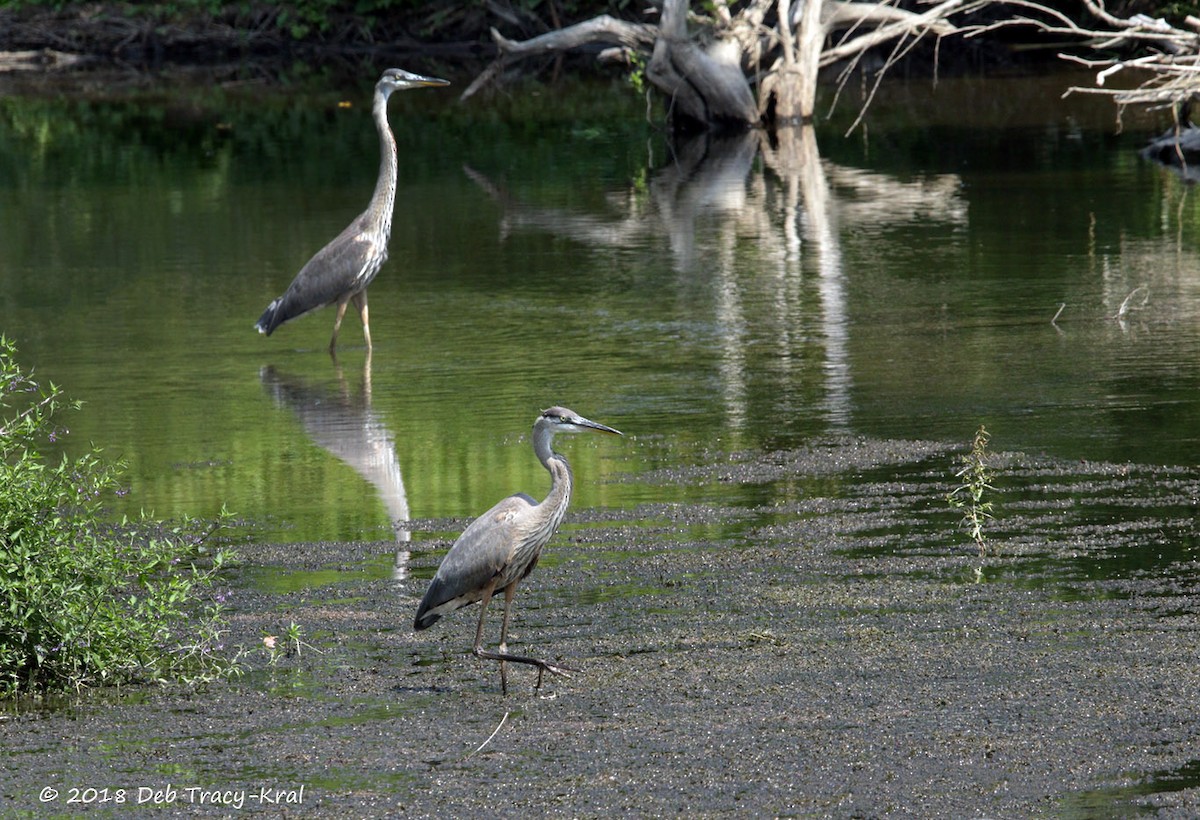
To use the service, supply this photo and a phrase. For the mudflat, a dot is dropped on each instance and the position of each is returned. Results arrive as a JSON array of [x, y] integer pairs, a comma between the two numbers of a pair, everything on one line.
[[839, 650]]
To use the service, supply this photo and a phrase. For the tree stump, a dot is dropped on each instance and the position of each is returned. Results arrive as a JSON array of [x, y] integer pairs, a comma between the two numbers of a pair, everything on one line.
[[705, 87]]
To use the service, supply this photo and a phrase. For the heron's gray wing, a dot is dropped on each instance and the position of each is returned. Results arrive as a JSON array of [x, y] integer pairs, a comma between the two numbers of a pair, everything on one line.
[[482, 552], [339, 268]]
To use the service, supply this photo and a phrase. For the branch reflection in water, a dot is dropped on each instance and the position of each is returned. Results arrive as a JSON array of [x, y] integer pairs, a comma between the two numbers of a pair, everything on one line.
[[344, 424], [710, 199]]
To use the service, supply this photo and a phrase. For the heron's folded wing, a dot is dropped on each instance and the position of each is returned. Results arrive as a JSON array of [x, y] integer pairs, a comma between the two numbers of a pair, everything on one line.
[[482, 552]]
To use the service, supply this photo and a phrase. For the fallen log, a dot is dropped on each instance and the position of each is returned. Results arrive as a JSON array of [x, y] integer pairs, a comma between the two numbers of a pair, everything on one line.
[[42, 59]]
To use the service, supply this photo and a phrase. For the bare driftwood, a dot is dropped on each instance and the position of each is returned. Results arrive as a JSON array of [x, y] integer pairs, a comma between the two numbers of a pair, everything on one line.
[[706, 84], [602, 29], [1164, 58], [790, 86], [849, 15], [39, 60], [896, 23], [703, 64]]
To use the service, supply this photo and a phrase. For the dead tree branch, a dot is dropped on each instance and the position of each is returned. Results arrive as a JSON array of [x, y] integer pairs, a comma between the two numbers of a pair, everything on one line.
[[702, 62], [602, 29], [903, 23]]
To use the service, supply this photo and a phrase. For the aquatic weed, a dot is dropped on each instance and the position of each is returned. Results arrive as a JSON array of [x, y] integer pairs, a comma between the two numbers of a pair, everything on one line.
[[975, 477]]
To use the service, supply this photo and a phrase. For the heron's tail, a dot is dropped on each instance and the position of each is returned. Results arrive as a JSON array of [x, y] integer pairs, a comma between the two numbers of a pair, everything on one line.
[[270, 318]]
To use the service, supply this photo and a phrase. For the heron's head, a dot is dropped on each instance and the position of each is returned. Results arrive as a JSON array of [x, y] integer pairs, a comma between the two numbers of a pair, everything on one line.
[[562, 420], [397, 79]]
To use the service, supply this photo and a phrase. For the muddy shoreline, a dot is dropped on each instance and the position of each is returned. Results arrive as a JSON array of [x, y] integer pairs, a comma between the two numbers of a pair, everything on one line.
[[841, 654]]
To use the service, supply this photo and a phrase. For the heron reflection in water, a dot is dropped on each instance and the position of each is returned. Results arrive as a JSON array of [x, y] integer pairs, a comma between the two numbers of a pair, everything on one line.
[[340, 272], [345, 425], [502, 546]]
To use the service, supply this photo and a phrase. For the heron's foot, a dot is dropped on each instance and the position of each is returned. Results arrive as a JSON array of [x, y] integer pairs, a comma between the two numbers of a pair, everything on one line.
[[556, 668], [542, 665]]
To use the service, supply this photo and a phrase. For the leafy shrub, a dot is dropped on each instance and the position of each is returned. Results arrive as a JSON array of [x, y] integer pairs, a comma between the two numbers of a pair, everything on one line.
[[83, 602]]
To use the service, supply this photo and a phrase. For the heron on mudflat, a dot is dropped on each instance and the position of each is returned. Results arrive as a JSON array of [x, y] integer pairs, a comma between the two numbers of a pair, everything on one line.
[[340, 272], [502, 546]]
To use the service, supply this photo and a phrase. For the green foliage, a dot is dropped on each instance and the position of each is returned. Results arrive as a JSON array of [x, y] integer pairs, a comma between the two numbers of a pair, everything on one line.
[[1179, 11], [292, 644], [637, 72], [81, 602], [975, 477], [303, 18]]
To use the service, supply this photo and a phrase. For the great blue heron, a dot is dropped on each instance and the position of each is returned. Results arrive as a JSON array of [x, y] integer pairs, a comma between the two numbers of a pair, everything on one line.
[[340, 272], [502, 546]]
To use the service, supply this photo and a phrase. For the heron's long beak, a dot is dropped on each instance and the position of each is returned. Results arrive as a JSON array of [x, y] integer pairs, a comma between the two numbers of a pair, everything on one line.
[[417, 79], [580, 421]]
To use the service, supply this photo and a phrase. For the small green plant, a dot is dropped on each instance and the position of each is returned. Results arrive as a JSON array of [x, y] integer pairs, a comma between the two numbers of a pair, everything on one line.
[[637, 71], [84, 602], [292, 644], [976, 481]]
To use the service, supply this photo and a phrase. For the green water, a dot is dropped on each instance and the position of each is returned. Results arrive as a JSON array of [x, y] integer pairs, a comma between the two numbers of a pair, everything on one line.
[[705, 299]]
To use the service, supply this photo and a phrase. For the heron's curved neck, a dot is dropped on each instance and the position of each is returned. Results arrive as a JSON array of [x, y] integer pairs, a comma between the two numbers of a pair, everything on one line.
[[560, 473], [384, 198]]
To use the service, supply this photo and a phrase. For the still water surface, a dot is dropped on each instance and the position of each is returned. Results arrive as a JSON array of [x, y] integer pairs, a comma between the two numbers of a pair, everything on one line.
[[899, 282]]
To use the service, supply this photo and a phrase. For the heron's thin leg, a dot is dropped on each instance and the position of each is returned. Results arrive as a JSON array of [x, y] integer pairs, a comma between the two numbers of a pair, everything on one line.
[[367, 377], [337, 323], [478, 648], [509, 591], [360, 302], [503, 655]]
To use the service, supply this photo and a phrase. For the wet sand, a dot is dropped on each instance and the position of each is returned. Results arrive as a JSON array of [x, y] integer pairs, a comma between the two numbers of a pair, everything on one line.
[[838, 655]]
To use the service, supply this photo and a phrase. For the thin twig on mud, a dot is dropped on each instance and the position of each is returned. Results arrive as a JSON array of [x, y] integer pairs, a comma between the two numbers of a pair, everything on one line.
[[495, 732]]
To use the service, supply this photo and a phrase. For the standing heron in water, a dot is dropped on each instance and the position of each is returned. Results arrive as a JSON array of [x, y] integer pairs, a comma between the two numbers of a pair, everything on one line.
[[340, 271], [502, 546]]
